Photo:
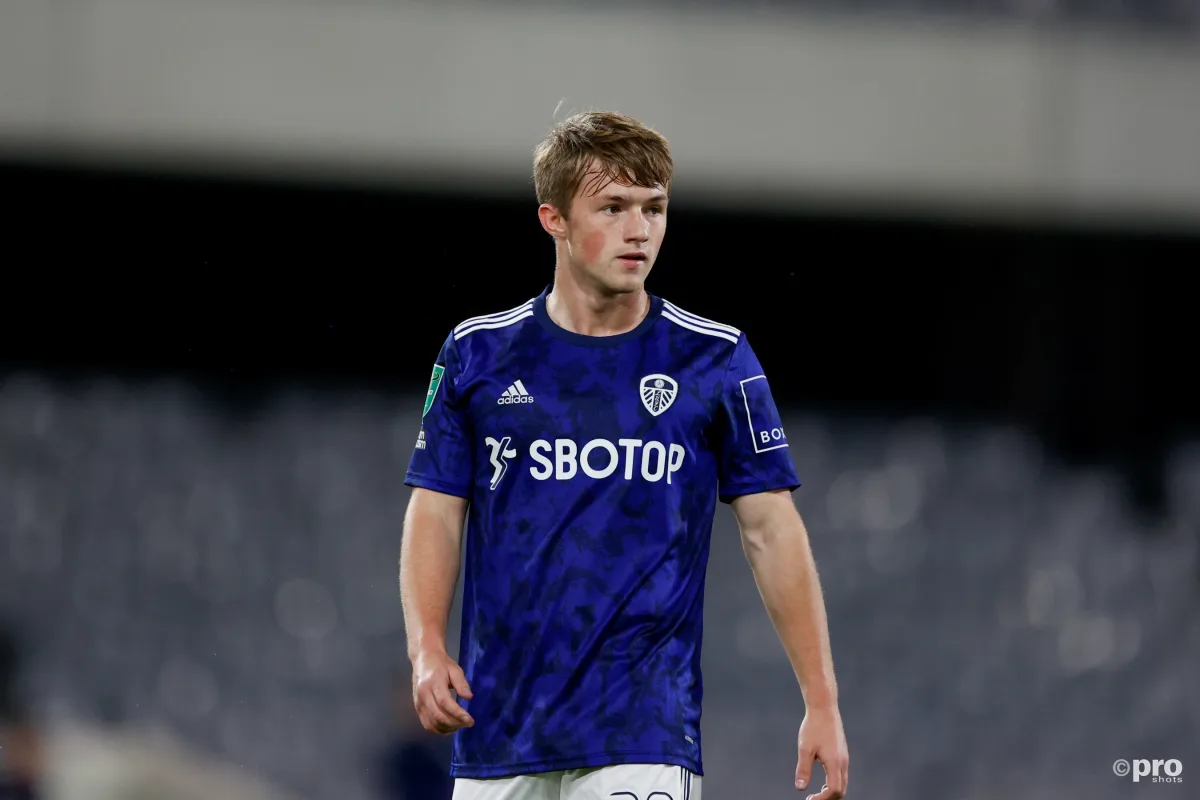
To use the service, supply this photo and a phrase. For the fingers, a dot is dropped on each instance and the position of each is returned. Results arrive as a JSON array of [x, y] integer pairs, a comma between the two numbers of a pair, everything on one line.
[[436, 714], [837, 778], [837, 774], [458, 679], [450, 707], [826, 793], [436, 720], [436, 705], [804, 765]]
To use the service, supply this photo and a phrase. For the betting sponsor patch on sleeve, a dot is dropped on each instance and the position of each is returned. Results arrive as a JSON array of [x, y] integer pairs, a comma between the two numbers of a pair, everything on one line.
[[766, 427]]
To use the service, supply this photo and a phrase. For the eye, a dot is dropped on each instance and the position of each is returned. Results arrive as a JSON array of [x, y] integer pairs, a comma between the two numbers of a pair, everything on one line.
[[613, 209], [655, 210]]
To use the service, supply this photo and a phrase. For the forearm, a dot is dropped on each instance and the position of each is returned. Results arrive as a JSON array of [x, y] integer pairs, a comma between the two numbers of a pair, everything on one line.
[[430, 554], [787, 579]]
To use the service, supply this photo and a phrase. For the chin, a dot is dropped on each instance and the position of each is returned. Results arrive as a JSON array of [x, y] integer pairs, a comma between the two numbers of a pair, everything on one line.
[[628, 282], [626, 286]]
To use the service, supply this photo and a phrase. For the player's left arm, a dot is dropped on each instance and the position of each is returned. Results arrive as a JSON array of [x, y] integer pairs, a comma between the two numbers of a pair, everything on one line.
[[777, 547]]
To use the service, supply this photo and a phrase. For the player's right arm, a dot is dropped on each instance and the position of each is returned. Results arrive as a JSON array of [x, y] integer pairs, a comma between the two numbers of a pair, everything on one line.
[[430, 554], [440, 475]]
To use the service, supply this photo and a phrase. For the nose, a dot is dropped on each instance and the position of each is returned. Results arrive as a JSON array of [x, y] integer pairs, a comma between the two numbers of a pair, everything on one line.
[[637, 228]]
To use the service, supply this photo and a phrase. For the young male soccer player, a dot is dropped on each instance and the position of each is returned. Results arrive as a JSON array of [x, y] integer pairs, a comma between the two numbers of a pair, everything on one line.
[[588, 434]]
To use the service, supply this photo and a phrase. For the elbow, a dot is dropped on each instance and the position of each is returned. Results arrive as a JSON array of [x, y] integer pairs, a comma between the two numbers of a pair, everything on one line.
[[766, 521], [757, 539]]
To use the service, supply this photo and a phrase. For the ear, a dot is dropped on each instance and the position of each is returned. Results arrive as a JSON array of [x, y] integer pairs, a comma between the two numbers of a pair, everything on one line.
[[553, 222]]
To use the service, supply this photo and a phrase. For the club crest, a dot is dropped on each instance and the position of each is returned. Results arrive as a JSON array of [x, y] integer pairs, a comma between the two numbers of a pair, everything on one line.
[[658, 392]]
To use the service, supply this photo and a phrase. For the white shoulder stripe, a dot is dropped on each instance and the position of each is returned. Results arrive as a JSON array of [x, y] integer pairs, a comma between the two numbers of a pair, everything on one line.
[[708, 323], [492, 324], [667, 313], [528, 304]]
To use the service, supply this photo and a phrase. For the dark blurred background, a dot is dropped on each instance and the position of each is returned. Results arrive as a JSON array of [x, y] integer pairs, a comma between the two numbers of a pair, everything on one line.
[[960, 238], [1083, 333]]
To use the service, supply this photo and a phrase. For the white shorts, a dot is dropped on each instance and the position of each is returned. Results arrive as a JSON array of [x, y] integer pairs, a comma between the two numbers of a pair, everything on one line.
[[616, 782]]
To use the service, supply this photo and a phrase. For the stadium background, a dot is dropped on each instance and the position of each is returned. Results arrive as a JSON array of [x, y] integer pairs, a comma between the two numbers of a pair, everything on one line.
[[959, 236]]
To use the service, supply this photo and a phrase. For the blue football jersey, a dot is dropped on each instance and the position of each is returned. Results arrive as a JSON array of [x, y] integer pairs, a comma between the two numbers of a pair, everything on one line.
[[592, 466]]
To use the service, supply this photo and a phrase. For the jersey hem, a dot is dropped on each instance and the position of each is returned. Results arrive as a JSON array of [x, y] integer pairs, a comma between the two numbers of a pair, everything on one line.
[[739, 491], [475, 772], [421, 482]]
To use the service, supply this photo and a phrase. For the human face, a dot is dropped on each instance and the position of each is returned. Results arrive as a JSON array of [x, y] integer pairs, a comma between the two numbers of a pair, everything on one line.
[[614, 233]]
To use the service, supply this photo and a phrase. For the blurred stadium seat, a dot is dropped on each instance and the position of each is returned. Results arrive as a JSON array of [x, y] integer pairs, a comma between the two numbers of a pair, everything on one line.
[[231, 578]]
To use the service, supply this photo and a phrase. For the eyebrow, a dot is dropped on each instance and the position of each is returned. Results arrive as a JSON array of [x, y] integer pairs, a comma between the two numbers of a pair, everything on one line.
[[624, 198]]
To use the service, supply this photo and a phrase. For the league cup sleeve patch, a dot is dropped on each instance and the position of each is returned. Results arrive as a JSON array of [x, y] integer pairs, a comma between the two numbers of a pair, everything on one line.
[[766, 426], [435, 381]]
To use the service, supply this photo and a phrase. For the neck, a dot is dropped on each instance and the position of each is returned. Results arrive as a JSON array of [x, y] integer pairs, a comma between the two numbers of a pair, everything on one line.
[[589, 310]]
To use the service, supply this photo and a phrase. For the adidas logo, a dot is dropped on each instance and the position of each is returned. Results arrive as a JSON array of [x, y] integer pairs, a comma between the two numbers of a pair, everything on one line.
[[514, 394]]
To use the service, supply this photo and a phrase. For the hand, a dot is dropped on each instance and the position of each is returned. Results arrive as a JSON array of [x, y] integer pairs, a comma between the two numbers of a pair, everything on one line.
[[823, 739], [437, 682]]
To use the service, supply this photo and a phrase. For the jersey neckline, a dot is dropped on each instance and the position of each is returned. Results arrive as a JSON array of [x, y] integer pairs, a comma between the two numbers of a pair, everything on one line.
[[551, 327]]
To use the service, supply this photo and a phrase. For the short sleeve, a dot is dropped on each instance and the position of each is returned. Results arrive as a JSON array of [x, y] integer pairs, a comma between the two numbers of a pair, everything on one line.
[[753, 454], [442, 458]]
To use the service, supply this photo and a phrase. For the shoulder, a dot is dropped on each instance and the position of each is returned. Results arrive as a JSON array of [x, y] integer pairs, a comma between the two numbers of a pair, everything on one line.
[[472, 342], [497, 323], [699, 326]]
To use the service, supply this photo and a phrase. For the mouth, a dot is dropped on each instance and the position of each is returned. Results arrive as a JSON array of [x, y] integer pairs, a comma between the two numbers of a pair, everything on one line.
[[632, 259]]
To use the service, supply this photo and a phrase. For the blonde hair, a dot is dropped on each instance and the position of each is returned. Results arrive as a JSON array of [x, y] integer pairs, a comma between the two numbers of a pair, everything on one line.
[[621, 148]]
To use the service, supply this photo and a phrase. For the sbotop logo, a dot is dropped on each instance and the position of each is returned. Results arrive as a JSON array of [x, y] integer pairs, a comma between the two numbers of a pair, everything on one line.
[[597, 459], [1151, 770]]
